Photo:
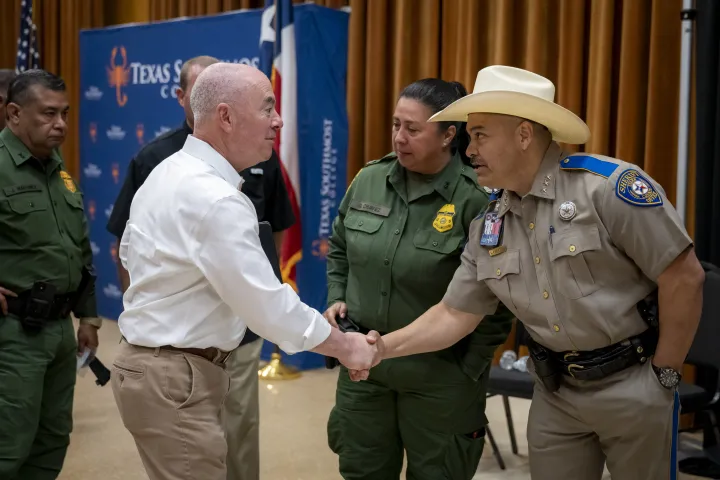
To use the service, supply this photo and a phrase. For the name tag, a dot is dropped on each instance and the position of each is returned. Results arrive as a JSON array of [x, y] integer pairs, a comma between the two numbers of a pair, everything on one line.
[[370, 207], [14, 190], [256, 171]]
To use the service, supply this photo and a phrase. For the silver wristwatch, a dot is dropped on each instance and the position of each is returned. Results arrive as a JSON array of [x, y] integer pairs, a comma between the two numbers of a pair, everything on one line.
[[668, 377]]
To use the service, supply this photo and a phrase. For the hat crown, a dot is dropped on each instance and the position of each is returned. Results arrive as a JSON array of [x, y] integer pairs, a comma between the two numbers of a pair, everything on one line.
[[500, 78]]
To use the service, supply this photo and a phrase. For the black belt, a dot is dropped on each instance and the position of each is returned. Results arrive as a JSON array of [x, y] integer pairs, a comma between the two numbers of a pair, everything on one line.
[[60, 307], [603, 362]]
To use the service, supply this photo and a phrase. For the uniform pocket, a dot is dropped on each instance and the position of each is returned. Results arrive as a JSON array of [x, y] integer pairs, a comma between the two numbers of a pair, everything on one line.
[[568, 257], [502, 274], [462, 455], [442, 243], [361, 232], [76, 218]]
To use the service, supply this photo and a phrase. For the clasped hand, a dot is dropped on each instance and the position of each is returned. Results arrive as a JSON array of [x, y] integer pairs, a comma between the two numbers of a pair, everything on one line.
[[365, 352]]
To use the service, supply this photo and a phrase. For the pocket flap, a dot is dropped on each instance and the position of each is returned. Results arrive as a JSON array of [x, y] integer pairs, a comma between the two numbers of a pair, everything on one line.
[[74, 199], [576, 240], [436, 241], [500, 266], [363, 223], [28, 203]]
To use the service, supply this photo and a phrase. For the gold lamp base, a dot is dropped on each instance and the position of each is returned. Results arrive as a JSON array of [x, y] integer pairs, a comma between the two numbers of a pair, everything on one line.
[[276, 370]]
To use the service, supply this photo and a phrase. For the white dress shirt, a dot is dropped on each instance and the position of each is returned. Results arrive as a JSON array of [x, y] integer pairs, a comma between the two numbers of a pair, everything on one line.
[[198, 274]]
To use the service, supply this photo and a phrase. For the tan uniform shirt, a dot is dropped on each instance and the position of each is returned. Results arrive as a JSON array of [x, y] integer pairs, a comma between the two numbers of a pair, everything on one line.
[[574, 282]]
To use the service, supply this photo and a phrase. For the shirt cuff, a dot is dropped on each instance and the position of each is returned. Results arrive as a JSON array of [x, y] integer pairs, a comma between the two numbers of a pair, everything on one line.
[[94, 321], [315, 334]]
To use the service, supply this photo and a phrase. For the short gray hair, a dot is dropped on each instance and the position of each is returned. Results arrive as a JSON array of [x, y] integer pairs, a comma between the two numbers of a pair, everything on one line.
[[215, 85]]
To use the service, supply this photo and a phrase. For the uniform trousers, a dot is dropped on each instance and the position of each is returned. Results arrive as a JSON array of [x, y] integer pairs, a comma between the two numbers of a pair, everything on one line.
[[37, 382], [421, 405], [171, 404], [628, 420], [241, 413]]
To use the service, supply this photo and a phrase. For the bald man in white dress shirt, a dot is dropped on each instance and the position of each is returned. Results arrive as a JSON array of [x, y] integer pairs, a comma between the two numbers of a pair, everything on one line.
[[199, 277]]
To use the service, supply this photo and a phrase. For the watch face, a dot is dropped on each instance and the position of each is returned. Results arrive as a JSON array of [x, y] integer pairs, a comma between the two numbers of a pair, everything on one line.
[[668, 377]]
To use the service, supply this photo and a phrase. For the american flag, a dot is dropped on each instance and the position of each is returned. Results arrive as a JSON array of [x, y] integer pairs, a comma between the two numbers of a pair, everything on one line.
[[28, 56]]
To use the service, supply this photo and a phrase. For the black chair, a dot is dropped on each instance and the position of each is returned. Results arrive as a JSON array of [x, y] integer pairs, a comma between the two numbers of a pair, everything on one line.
[[702, 398], [510, 383]]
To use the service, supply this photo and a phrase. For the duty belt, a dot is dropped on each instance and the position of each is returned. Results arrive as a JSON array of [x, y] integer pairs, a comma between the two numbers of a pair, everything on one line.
[[59, 308], [603, 362]]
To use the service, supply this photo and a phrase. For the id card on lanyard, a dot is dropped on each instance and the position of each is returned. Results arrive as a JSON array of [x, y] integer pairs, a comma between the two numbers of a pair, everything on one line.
[[492, 226]]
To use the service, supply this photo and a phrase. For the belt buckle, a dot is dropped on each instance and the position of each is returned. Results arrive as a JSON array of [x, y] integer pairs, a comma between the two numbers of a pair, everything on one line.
[[573, 367]]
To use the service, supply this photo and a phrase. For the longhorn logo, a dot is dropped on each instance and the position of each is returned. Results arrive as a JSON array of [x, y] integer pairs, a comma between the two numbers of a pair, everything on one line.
[[119, 75], [140, 132], [93, 132], [116, 172]]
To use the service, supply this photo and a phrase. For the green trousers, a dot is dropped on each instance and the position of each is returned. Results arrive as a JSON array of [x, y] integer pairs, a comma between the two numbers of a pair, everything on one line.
[[422, 405], [37, 380]]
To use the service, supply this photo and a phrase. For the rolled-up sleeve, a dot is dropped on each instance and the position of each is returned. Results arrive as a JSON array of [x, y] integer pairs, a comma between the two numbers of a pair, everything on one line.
[[231, 257]]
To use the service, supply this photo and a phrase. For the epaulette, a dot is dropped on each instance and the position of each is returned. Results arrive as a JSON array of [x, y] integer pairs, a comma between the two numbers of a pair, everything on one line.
[[389, 156], [589, 164]]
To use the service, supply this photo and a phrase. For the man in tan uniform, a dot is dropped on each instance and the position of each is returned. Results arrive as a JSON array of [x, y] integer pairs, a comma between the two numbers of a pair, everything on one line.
[[573, 245]]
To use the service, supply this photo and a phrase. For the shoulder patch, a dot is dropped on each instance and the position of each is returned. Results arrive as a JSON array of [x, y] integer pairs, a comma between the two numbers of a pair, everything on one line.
[[635, 189], [589, 164]]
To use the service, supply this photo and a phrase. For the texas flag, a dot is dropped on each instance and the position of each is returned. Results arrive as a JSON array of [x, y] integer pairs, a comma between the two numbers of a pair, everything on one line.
[[278, 61]]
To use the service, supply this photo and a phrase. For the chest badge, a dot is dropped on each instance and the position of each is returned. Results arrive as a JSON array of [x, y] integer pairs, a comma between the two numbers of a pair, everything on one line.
[[69, 183], [567, 211], [444, 218]]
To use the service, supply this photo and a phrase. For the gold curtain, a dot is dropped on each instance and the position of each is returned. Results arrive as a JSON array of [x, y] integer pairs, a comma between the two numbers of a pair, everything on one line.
[[616, 64]]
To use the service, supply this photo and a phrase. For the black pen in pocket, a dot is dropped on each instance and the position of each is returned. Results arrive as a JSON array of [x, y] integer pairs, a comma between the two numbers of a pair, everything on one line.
[[552, 230]]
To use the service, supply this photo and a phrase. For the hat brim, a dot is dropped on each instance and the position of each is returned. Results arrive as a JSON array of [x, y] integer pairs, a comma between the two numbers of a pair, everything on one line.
[[565, 126]]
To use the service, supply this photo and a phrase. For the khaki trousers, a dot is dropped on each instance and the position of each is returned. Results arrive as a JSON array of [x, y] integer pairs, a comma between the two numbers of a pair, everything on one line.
[[171, 402], [241, 413], [628, 420]]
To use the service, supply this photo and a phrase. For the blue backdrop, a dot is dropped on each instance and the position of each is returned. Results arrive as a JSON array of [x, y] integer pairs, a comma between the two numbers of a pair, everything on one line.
[[128, 78]]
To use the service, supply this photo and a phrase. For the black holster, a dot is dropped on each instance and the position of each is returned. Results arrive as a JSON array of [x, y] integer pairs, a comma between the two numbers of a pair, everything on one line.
[[546, 367], [345, 324], [649, 310], [38, 307]]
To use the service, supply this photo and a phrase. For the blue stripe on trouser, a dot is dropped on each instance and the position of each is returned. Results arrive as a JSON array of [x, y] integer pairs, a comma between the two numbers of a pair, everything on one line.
[[673, 452]]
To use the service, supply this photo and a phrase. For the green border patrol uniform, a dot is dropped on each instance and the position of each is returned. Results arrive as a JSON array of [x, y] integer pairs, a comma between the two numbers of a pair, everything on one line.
[[394, 249], [44, 247]]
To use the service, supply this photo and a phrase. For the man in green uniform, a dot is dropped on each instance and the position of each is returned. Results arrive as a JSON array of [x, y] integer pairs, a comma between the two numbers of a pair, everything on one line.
[[396, 244], [46, 262]]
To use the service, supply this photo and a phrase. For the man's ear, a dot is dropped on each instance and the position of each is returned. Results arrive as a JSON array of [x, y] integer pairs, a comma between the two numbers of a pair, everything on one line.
[[180, 94], [12, 111], [526, 133]]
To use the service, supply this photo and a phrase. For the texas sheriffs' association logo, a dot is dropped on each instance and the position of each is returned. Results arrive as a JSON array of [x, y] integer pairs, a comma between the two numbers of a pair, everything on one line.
[[116, 172], [637, 190], [91, 209], [69, 183], [119, 74], [320, 248], [140, 133], [93, 132], [444, 218]]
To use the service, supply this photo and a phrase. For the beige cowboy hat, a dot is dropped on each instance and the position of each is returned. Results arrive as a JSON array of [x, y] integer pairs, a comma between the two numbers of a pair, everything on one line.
[[520, 93]]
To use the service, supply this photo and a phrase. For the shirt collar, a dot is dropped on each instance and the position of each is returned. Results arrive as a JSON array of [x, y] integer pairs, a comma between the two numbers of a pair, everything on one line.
[[205, 152], [543, 185], [444, 182], [21, 154]]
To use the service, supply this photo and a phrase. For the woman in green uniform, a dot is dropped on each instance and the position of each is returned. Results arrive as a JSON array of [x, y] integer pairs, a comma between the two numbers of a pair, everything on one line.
[[395, 246]]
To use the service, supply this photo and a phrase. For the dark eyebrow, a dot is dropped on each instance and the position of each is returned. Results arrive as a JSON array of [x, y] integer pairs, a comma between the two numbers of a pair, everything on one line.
[[269, 102], [476, 128]]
